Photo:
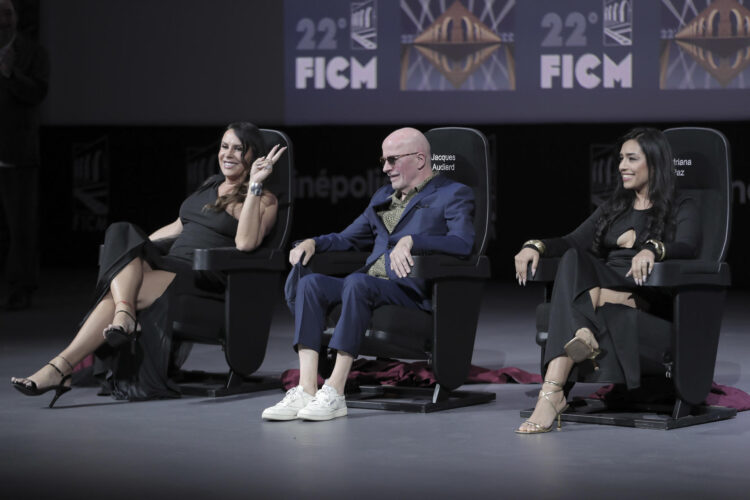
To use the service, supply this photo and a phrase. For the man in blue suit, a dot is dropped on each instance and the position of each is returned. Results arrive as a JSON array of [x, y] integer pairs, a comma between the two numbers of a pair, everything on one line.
[[419, 212]]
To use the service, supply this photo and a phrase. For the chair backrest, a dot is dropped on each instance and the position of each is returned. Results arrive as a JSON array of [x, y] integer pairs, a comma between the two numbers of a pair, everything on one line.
[[463, 155], [703, 171], [281, 184]]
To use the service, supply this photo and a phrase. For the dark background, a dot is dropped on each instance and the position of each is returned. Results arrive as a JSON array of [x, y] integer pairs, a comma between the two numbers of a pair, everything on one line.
[[155, 80]]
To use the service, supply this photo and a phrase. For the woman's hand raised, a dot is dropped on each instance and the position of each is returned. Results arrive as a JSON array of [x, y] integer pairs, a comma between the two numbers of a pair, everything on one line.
[[263, 166], [522, 260]]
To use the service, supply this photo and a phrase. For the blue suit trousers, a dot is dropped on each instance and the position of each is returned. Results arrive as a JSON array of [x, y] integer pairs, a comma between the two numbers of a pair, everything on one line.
[[358, 293]]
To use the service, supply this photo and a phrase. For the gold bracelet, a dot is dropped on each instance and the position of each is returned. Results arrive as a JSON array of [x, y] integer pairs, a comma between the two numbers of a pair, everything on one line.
[[538, 244], [660, 250]]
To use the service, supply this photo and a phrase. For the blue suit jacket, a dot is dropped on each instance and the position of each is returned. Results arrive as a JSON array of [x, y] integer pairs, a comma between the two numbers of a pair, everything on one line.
[[439, 219]]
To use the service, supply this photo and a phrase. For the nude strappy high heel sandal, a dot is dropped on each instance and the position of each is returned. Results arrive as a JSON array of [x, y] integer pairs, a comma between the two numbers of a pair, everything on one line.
[[538, 429], [580, 348]]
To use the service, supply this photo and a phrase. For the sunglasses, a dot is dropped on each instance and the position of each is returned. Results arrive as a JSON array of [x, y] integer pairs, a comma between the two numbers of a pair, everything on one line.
[[392, 159]]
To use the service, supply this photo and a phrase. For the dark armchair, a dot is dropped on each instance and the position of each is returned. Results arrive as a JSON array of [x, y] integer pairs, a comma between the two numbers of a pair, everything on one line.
[[678, 344], [445, 336]]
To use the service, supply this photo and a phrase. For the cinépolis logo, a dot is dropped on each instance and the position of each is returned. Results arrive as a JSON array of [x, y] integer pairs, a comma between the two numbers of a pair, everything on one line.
[[337, 187]]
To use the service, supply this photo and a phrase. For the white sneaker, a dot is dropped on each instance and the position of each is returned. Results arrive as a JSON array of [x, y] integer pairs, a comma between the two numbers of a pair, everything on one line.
[[287, 408], [326, 404]]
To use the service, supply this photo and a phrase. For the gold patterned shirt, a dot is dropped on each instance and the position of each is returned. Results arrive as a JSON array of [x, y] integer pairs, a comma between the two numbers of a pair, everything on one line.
[[390, 218]]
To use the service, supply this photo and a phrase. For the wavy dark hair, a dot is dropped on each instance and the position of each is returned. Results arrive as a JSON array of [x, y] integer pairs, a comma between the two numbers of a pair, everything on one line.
[[251, 139], [660, 219]]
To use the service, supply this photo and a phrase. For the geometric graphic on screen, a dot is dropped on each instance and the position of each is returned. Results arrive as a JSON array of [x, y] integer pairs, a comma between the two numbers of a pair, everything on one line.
[[618, 23], [364, 25], [706, 49], [467, 46]]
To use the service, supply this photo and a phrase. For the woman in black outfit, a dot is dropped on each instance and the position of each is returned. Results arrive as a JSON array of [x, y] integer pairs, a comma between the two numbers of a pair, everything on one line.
[[230, 209], [641, 223]]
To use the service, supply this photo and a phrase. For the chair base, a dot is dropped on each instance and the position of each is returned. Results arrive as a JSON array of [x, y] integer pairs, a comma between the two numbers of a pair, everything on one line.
[[215, 385], [642, 416], [414, 399]]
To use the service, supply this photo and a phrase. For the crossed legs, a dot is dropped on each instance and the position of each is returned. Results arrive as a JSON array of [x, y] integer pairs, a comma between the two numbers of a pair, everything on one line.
[[552, 398], [135, 287]]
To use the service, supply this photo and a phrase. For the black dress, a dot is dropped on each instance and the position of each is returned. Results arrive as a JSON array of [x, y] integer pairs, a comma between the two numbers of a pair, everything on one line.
[[140, 371], [580, 270]]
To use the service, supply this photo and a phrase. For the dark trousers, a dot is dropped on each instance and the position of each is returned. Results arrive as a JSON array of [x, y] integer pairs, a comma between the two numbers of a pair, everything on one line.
[[20, 200], [614, 326], [358, 294]]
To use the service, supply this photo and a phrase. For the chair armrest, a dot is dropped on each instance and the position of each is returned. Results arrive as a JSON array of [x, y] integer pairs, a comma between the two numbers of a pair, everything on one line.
[[447, 266], [689, 272], [546, 270], [670, 273], [425, 266], [337, 263], [231, 259], [164, 244], [685, 273]]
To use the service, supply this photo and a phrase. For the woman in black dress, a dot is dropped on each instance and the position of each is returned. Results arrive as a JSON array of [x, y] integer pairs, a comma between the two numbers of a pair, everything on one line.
[[641, 223], [231, 209]]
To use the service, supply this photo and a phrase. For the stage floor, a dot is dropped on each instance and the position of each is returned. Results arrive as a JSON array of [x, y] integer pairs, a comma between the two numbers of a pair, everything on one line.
[[95, 447]]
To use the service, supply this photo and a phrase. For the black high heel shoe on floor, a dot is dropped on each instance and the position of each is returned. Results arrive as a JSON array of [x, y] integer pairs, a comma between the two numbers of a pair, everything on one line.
[[29, 387], [117, 335]]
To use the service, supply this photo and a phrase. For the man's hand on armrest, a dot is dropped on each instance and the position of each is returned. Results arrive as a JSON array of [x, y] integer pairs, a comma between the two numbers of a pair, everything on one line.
[[401, 261], [305, 250]]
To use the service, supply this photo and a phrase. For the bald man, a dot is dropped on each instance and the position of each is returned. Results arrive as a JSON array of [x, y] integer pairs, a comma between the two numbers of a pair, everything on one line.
[[419, 212]]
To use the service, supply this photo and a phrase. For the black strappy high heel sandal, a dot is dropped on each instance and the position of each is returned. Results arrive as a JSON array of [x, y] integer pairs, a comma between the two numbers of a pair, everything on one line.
[[117, 335], [29, 387]]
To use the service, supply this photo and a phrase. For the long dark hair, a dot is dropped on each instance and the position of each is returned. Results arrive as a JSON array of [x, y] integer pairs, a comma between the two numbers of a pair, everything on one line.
[[251, 139], [660, 222]]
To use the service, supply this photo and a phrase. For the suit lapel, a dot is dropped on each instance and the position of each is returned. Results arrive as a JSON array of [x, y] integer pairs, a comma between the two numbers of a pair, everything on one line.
[[376, 203], [431, 187]]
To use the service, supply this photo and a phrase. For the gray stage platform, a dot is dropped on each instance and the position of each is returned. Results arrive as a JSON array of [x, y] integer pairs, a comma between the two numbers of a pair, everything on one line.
[[94, 447]]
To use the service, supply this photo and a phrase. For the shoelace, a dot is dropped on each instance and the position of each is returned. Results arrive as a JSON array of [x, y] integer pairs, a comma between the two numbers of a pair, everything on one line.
[[325, 398], [291, 395]]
